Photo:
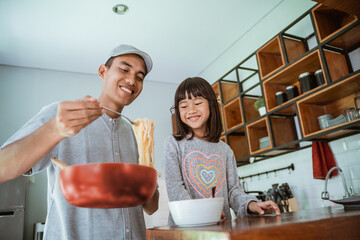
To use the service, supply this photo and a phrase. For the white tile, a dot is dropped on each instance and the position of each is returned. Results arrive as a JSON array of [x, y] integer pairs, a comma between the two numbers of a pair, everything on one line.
[[352, 142]]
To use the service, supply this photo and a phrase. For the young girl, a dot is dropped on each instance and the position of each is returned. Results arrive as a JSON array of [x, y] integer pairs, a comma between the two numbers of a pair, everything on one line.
[[196, 161]]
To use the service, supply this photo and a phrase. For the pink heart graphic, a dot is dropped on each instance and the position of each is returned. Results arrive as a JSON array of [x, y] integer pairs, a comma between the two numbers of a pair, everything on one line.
[[205, 172]]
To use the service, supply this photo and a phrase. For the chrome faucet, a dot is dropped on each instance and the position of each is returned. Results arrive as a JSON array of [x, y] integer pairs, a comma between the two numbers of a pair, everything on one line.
[[325, 194]]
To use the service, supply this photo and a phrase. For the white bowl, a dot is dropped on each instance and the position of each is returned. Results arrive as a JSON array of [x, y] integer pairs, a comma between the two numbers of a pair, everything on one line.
[[196, 212]]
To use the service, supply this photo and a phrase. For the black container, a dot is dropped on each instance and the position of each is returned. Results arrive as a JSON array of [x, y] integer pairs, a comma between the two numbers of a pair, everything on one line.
[[280, 98], [291, 92], [307, 81], [319, 77]]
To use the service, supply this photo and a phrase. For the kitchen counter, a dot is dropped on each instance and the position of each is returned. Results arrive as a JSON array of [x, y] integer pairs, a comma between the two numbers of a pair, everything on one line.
[[321, 223]]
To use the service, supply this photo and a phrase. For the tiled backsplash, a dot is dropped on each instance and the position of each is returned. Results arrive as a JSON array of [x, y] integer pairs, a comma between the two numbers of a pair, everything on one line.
[[305, 188]]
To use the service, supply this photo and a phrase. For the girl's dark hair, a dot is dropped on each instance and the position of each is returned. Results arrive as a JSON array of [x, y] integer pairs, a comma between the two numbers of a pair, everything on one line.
[[198, 87]]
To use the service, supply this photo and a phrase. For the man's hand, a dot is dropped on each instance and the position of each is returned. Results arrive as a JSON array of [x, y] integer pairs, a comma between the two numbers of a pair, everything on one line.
[[263, 207], [72, 116]]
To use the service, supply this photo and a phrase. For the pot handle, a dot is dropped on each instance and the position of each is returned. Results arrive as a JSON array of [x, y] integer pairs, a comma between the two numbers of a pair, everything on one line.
[[58, 163]]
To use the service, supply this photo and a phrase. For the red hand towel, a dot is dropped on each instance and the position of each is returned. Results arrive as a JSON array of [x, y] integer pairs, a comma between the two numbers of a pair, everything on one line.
[[323, 160]]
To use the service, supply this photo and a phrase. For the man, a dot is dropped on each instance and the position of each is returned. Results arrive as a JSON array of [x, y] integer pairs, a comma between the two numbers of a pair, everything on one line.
[[82, 132]]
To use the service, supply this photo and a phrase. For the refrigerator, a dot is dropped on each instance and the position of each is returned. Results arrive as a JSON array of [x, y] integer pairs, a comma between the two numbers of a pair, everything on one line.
[[12, 208]]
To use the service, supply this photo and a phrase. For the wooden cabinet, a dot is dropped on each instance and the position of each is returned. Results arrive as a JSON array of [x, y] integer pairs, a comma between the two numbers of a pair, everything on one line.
[[323, 39]]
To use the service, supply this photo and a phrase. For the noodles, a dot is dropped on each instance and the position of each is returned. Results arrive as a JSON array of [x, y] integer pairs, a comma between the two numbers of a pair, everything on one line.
[[144, 133]]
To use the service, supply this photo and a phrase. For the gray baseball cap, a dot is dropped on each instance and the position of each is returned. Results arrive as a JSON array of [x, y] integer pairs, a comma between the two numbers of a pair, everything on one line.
[[128, 49]]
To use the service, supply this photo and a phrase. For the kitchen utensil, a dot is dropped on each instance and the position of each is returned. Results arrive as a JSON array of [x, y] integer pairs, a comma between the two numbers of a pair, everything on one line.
[[351, 114], [357, 102], [260, 195], [287, 190], [280, 98], [319, 77], [106, 185], [307, 81], [291, 92], [196, 212], [323, 120], [120, 114], [338, 120], [264, 142]]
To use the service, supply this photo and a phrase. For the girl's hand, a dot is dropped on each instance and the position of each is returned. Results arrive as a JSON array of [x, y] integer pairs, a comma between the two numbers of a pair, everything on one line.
[[72, 116], [263, 207]]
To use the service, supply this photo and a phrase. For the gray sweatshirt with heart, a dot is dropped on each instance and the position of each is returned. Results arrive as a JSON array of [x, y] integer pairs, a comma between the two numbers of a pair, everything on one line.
[[194, 167]]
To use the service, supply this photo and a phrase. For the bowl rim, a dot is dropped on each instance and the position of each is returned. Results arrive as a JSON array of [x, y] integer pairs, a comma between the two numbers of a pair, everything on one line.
[[197, 199]]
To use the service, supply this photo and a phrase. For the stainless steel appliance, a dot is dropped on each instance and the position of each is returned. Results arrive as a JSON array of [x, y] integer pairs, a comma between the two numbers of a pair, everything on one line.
[[12, 208]]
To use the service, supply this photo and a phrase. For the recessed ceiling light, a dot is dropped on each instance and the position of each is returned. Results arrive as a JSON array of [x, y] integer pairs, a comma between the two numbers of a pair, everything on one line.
[[120, 9]]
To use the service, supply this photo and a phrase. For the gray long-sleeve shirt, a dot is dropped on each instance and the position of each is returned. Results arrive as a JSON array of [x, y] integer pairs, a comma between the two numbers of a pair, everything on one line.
[[194, 167]]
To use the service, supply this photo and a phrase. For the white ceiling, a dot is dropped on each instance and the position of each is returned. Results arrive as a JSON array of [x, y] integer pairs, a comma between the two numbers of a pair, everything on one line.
[[183, 37]]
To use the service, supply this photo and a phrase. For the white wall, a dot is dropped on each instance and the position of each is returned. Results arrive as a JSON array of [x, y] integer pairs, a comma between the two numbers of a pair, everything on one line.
[[264, 30], [23, 91]]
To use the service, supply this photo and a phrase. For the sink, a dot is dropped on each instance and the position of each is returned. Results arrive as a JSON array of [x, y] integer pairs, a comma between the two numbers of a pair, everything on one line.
[[350, 200]]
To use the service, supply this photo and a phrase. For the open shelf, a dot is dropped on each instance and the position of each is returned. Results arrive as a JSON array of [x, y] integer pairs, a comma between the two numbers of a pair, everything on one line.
[[329, 21], [229, 90], [294, 48], [299, 37], [270, 57], [233, 115], [349, 6], [337, 65], [289, 76], [223, 138], [283, 130], [255, 131], [249, 108], [238, 143], [332, 100], [347, 40], [216, 89]]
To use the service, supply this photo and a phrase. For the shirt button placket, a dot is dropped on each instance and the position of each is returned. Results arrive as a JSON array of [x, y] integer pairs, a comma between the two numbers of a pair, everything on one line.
[[116, 143]]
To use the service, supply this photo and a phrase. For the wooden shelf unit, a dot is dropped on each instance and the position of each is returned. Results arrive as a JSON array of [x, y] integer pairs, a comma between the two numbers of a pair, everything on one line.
[[270, 57], [216, 88], [290, 77], [250, 112], [294, 48], [280, 61], [329, 21], [283, 130], [255, 131], [233, 114], [223, 138], [349, 6], [229, 90], [237, 141], [332, 100]]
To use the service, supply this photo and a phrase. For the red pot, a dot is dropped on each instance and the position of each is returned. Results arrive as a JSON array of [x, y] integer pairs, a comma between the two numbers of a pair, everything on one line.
[[107, 185]]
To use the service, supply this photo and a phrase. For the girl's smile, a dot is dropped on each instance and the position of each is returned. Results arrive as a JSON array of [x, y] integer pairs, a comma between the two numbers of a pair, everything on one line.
[[195, 112]]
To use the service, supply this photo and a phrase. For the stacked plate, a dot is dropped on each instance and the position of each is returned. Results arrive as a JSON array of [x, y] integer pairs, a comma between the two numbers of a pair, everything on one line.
[[327, 120], [338, 120], [264, 142]]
